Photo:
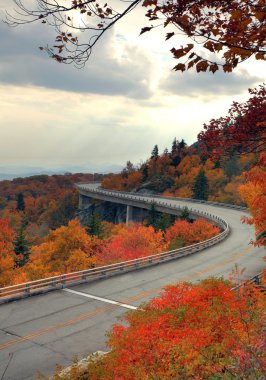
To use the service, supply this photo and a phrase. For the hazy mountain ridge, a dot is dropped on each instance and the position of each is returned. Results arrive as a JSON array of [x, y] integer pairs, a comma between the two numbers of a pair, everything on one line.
[[10, 172]]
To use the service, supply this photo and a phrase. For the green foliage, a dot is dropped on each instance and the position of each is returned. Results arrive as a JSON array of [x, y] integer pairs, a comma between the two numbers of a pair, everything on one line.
[[152, 216], [176, 243], [21, 247], [200, 188], [155, 152], [164, 221], [230, 167], [159, 220], [20, 202], [60, 213], [185, 214], [94, 226]]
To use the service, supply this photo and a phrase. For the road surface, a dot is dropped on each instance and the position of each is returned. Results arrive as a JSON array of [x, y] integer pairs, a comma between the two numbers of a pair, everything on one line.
[[41, 331]]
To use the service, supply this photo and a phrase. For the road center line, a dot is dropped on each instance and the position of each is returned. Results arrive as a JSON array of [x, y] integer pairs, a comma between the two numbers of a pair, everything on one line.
[[100, 299], [102, 310]]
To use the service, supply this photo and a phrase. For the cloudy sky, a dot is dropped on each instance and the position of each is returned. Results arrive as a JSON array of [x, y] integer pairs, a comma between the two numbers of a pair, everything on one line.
[[118, 107]]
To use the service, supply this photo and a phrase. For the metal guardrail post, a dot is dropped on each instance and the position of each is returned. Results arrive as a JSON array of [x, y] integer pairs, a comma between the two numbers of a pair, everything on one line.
[[74, 277], [63, 280], [27, 289], [256, 280]]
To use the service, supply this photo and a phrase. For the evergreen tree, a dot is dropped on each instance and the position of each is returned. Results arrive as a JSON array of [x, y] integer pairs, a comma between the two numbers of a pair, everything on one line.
[[145, 172], [200, 188], [185, 214], [164, 221], [94, 226], [155, 152], [21, 248], [152, 216], [20, 202], [176, 161], [182, 144], [217, 164], [174, 147]]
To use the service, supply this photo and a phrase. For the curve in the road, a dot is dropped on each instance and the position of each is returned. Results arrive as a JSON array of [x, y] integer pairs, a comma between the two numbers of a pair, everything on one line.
[[40, 331]]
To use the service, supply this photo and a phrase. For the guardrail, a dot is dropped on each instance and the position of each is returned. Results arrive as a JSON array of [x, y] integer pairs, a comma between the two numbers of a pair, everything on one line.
[[148, 199], [137, 196], [27, 289], [19, 291], [256, 280]]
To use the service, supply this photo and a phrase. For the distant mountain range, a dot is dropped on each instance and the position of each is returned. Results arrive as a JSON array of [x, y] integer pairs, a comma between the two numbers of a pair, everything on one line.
[[13, 171]]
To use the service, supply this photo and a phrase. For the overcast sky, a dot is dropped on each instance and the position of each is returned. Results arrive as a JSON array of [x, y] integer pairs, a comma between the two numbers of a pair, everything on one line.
[[118, 107]]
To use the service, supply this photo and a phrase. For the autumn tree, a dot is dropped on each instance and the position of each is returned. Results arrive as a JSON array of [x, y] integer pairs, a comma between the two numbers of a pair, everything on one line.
[[242, 131], [7, 256], [66, 249], [190, 331], [200, 188], [227, 32], [183, 233], [253, 192], [132, 241]]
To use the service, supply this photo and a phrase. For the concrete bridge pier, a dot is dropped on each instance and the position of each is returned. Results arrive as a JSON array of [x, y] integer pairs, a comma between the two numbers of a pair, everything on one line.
[[129, 216], [84, 202]]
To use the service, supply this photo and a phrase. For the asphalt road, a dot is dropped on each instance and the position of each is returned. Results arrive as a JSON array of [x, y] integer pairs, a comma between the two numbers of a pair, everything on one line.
[[41, 331]]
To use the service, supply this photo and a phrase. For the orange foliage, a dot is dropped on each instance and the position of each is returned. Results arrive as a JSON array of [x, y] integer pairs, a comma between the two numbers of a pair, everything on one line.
[[191, 331], [67, 249], [182, 233], [50, 201], [7, 258], [133, 241], [254, 193]]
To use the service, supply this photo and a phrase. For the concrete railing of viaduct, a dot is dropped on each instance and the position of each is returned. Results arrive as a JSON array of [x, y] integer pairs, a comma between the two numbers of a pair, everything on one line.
[[90, 192]]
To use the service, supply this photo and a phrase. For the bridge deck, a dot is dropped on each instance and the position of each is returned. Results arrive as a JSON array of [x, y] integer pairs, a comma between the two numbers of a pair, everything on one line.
[[53, 328]]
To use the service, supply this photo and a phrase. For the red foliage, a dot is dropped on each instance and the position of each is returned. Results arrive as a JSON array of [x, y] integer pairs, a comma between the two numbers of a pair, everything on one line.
[[131, 242], [242, 131], [7, 255], [254, 193], [183, 233], [191, 331]]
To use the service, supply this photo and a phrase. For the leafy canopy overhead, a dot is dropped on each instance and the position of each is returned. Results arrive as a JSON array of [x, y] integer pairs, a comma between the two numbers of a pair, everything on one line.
[[221, 33], [243, 130]]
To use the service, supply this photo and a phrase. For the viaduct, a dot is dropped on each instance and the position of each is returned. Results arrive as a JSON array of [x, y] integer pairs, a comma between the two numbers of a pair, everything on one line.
[[37, 332]]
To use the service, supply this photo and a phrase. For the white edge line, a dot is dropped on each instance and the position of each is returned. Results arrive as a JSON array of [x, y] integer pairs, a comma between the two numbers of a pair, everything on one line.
[[100, 299]]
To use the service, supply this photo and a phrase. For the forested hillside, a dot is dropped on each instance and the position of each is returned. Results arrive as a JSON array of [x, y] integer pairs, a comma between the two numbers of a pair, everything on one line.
[[179, 171], [39, 203]]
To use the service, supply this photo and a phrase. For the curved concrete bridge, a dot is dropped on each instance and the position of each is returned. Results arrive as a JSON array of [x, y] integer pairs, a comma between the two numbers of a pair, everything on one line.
[[38, 332]]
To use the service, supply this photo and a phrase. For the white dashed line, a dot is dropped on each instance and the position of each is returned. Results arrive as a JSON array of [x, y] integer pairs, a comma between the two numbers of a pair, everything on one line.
[[100, 299]]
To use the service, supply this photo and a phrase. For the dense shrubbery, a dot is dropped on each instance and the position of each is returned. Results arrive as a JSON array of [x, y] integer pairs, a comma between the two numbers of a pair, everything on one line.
[[192, 331], [70, 248]]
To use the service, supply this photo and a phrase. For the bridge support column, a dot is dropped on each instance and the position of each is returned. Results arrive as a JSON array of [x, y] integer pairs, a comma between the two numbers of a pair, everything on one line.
[[129, 214], [84, 202]]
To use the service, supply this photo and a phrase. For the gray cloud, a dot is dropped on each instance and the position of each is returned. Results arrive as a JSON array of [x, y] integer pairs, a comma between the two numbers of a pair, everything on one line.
[[207, 84], [21, 63]]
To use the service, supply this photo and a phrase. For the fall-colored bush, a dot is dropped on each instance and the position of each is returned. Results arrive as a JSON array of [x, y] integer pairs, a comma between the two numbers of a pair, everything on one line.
[[131, 242], [191, 331], [183, 233]]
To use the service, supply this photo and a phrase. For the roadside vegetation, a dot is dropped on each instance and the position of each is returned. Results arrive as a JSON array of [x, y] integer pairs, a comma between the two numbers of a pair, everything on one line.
[[191, 331]]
